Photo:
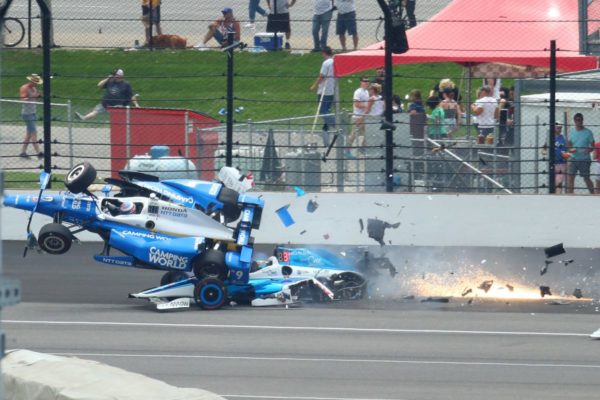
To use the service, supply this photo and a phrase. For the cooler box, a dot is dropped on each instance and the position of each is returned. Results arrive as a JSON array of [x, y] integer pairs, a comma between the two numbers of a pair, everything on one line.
[[267, 40]]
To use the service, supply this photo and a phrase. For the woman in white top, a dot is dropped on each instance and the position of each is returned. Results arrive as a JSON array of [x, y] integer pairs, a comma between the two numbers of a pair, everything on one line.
[[376, 104]]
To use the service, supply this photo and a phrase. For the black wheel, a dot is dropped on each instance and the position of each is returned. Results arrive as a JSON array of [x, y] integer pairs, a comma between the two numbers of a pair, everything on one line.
[[55, 239], [229, 197], [80, 177], [348, 286], [211, 264], [172, 276], [13, 31], [210, 294]]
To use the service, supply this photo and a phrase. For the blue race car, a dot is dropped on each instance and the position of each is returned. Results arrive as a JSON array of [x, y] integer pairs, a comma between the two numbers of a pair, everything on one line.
[[291, 276], [179, 226]]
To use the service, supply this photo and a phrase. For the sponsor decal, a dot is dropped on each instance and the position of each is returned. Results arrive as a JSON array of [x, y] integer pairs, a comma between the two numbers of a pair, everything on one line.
[[166, 259], [146, 235], [165, 192], [177, 212], [47, 198], [115, 261], [214, 189], [183, 302], [76, 205]]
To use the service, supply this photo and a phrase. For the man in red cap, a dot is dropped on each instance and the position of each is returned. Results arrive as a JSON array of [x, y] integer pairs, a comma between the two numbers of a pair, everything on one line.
[[220, 30]]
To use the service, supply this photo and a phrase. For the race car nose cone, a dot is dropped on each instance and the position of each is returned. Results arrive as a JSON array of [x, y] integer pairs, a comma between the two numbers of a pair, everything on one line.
[[10, 201]]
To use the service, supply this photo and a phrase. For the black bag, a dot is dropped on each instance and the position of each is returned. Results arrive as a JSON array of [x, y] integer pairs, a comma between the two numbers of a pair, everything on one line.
[[399, 41]]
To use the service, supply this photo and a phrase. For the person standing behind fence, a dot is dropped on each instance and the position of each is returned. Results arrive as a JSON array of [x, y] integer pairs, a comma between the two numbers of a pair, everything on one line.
[[29, 94], [117, 93], [360, 102], [484, 110], [581, 144], [151, 16], [278, 19], [325, 85], [561, 155], [322, 13], [376, 104], [346, 22], [410, 6], [253, 8], [436, 128]]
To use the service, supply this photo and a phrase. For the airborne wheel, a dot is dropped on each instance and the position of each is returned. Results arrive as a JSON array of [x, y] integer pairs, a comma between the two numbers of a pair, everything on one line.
[[55, 239], [211, 264], [210, 294], [80, 177]]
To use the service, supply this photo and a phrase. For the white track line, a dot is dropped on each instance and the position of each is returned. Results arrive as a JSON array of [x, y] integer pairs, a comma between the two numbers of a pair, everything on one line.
[[331, 360], [292, 328]]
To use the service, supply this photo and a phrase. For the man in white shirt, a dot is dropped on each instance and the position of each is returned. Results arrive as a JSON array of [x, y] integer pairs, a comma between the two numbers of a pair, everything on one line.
[[325, 85], [485, 109], [360, 103]]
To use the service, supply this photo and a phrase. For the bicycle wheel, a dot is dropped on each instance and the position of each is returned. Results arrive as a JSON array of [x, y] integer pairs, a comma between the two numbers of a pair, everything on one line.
[[13, 32]]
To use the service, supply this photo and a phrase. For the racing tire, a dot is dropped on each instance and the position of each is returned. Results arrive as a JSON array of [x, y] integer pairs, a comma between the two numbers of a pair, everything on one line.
[[210, 294], [231, 210], [172, 277], [211, 264], [55, 239], [80, 177]]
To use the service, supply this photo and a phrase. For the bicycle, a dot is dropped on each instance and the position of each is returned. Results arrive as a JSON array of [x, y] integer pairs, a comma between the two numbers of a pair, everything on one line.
[[13, 32]]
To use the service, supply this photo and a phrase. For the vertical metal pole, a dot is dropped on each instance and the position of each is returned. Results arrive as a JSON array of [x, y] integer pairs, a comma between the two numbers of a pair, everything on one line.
[[46, 21], [186, 130], [583, 26], [389, 133], [536, 171], [551, 147], [229, 138], [127, 133], [70, 130], [29, 24], [151, 15]]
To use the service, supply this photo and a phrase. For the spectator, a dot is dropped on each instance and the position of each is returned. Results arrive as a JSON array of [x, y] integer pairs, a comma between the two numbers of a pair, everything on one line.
[[346, 22], [220, 30], [452, 111], [484, 110], [150, 16], [376, 105], [494, 85], [360, 102], [410, 6], [581, 144], [278, 19], [416, 104], [117, 93], [253, 8], [396, 104], [438, 89], [325, 85], [379, 77], [505, 111], [29, 94], [436, 128], [322, 13], [561, 155]]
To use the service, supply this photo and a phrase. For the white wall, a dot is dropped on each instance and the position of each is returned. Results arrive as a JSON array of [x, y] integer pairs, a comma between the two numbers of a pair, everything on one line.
[[426, 220]]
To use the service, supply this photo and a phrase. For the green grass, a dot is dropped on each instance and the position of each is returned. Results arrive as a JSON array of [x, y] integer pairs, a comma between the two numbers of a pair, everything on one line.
[[269, 85]]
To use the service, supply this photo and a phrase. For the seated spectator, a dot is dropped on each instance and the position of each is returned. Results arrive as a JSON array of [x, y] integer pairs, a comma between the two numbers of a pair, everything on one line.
[[220, 30]]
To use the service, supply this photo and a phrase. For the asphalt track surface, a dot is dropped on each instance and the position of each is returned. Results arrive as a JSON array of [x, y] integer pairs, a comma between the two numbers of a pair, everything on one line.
[[401, 349]]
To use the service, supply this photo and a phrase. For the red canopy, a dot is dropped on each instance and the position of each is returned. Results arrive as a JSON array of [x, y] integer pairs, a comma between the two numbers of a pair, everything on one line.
[[478, 31]]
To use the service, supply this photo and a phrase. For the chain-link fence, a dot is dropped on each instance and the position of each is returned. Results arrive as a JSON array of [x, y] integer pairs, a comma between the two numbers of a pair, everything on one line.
[[178, 136]]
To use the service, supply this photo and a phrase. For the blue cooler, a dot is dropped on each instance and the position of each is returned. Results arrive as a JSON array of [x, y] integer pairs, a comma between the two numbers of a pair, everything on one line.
[[267, 40]]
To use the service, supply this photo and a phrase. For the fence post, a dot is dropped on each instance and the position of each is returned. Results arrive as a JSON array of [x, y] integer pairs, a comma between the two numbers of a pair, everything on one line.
[[70, 130], [186, 131], [127, 133]]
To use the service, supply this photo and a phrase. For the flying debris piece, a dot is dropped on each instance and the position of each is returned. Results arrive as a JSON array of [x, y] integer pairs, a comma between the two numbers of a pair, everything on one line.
[[381, 204], [376, 229], [510, 287], [555, 250], [577, 293], [299, 191], [559, 303], [303, 232], [436, 300], [548, 262], [408, 297], [326, 236], [312, 206], [567, 262], [544, 269], [545, 290], [486, 285], [285, 216], [362, 225], [466, 292], [470, 301]]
